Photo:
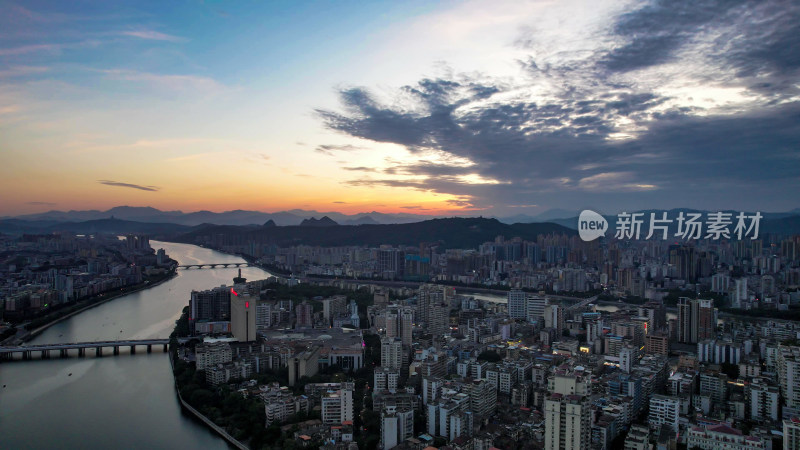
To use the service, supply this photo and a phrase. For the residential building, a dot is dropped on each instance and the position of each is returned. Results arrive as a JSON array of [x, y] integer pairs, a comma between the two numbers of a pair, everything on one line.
[[397, 425], [210, 355], [567, 413], [638, 438], [664, 410], [722, 437], [337, 406], [517, 307]]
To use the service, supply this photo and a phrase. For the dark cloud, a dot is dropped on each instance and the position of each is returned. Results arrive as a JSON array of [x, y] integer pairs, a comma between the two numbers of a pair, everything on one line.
[[42, 203], [341, 203], [463, 204], [763, 48], [758, 41], [656, 31], [361, 169], [331, 149], [129, 185], [597, 136]]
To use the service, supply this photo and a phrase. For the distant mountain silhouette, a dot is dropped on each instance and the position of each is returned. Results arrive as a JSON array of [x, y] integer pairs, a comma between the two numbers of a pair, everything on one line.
[[270, 223], [323, 222], [33, 223], [449, 233], [363, 220], [110, 225], [236, 217]]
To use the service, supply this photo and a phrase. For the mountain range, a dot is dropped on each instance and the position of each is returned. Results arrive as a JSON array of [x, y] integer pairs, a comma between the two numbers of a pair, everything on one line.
[[235, 217], [125, 219], [296, 216], [452, 232]]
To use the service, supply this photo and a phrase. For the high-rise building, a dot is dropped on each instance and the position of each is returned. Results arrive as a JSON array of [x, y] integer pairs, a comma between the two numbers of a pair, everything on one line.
[[627, 358], [655, 313], [243, 314], [791, 434], [567, 414], [333, 307], [397, 425], [720, 283], [763, 400], [385, 379], [209, 355], [706, 319], [739, 292], [137, 242], [684, 262], [440, 415], [572, 280], [212, 305], [664, 410], [788, 368], [305, 315], [656, 343], [684, 320], [390, 262], [715, 385], [432, 294], [161, 257], [337, 406], [697, 320], [391, 353], [482, 397], [534, 308], [767, 285], [438, 319], [400, 323], [517, 308], [554, 318], [430, 389], [303, 364]]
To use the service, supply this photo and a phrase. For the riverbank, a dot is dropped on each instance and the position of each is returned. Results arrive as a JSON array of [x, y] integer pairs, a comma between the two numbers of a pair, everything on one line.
[[139, 390], [187, 407], [228, 413], [19, 339], [464, 288]]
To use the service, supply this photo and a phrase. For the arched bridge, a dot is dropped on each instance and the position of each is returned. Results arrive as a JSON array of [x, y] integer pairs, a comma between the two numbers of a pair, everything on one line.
[[27, 351], [213, 265]]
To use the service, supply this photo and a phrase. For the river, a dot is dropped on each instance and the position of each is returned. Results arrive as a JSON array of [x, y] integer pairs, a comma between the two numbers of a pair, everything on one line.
[[125, 401]]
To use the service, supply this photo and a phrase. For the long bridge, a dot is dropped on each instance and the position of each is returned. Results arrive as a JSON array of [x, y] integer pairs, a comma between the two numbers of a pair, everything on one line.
[[213, 265], [582, 303], [27, 351]]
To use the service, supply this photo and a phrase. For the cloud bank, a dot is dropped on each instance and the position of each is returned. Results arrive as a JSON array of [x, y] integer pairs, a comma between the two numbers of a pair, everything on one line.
[[678, 98], [129, 185]]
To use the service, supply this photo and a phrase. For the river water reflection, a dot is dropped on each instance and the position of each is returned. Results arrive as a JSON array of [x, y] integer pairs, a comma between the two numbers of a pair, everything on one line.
[[125, 401]]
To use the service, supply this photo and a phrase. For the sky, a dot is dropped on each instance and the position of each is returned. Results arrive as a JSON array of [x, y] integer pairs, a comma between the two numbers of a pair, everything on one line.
[[453, 108]]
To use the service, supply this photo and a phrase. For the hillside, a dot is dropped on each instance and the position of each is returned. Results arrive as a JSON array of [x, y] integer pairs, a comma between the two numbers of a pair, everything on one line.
[[451, 233], [112, 226]]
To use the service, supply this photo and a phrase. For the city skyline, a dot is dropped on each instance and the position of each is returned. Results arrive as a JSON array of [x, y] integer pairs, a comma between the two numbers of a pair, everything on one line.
[[456, 108]]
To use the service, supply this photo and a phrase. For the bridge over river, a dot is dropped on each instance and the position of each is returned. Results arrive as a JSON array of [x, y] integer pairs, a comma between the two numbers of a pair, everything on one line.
[[213, 265], [44, 350]]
